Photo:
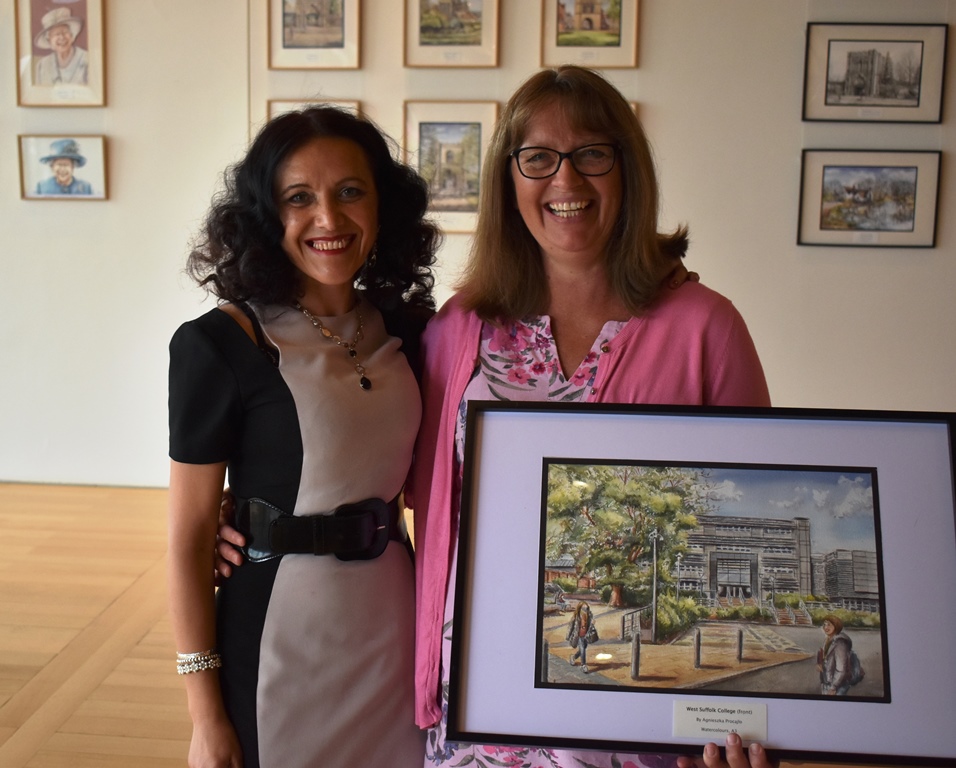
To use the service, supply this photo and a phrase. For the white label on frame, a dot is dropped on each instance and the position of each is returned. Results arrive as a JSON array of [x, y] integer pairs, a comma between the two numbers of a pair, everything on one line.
[[713, 721]]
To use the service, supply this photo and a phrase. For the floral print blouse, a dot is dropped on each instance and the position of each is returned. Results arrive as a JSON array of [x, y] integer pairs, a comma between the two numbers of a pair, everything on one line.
[[520, 362]]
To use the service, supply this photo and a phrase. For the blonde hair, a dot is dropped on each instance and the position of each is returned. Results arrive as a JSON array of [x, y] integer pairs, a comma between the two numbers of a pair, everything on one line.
[[504, 277]]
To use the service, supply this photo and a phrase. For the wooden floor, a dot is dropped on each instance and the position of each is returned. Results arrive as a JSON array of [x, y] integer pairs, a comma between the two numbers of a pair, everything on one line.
[[87, 670]]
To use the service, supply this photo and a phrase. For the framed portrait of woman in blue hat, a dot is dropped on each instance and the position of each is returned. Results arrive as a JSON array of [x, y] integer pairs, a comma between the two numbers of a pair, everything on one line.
[[60, 53], [63, 167]]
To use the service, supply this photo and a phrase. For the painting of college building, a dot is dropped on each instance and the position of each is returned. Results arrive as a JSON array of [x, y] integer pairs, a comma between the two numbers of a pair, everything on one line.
[[450, 22], [750, 560], [451, 162], [585, 16], [877, 73], [312, 24], [866, 71]]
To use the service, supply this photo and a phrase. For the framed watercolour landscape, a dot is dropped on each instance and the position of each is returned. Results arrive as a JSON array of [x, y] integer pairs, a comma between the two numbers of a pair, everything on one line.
[[60, 53], [669, 574], [455, 34], [445, 141], [600, 34], [314, 34], [869, 198], [875, 72]]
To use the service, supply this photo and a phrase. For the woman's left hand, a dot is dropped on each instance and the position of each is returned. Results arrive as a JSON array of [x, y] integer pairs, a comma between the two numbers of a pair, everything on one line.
[[736, 756]]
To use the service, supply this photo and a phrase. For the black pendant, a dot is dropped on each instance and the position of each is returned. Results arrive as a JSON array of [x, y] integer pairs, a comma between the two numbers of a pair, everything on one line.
[[365, 384]]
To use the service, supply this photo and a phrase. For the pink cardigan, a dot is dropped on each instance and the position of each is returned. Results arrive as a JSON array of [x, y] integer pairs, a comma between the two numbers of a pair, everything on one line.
[[690, 348]]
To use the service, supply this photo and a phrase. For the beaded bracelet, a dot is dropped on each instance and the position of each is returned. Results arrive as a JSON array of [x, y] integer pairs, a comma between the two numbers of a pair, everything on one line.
[[186, 663]]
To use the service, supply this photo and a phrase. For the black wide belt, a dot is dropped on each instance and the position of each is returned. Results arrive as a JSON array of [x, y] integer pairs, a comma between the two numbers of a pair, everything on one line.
[[358, 531]]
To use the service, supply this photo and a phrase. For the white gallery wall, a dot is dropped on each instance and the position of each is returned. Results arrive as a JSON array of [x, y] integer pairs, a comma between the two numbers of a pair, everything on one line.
[[90, 292]]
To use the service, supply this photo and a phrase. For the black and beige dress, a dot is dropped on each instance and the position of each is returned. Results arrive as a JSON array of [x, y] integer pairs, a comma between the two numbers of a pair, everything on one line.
[[317, 652]]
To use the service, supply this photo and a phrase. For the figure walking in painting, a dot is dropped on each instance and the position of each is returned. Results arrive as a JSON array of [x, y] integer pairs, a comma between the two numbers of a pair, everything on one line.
[[63, 159], [836, 659], [68, 63], [582, 631]]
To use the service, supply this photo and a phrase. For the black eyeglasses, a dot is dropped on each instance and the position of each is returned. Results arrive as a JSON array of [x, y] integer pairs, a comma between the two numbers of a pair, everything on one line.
[[541, 162]]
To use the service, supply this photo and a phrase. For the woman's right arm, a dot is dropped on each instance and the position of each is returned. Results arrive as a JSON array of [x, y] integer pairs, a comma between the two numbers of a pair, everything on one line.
[[194, 496]]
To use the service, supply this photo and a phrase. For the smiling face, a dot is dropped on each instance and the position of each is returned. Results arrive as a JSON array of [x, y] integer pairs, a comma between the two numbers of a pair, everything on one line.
[[61, 38], [569, 215], [328, 205], [62, 168]]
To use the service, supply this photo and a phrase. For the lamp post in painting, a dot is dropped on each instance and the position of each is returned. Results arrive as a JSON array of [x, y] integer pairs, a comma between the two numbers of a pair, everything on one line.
[[678, 557], [654, 536]]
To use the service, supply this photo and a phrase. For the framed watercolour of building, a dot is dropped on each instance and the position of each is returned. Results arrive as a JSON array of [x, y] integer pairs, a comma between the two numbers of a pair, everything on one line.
[[314, 34], [869, 198], [594, 33], [445, 141], [668, 574], [878, 73], [451, 33], [60, 53]]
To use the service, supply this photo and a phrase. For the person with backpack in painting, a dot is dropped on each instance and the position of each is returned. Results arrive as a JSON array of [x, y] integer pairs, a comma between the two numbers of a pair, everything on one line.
[[838, 664], [582, 631]]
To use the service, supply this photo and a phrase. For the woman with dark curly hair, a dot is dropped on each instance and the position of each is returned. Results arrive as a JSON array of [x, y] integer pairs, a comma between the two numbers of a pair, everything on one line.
[[300, 385]]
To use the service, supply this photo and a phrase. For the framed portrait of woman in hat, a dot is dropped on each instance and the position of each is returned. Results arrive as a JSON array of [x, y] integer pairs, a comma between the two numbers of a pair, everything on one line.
[[63, 167], [60, 53]]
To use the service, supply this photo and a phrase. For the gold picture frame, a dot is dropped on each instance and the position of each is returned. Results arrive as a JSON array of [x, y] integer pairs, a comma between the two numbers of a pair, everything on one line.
[[61, 56], [50, 167], [319, 34], [446, 142], [437, 37], [600, 34]]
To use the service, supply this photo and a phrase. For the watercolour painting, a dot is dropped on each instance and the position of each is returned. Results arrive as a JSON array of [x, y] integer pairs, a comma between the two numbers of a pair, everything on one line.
[[314, 34], [588, 25], [445, 142], [624, 570], [875, 73], [712, 578], [451, 33], [869, 198], [66, 167], [60, 53], [596, 33]]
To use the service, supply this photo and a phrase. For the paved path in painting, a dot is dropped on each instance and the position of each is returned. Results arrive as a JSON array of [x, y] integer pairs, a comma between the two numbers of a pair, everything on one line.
[[672, 665]]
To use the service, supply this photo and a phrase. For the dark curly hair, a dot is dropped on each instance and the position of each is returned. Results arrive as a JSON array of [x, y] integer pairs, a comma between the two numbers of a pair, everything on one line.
[[238, 254]]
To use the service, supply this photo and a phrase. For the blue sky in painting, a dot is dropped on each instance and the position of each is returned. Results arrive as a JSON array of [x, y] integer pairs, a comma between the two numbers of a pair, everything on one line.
[[839, 504]]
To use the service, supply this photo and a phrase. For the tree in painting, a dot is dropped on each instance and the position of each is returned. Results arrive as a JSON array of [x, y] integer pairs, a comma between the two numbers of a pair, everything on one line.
[[606, 518]]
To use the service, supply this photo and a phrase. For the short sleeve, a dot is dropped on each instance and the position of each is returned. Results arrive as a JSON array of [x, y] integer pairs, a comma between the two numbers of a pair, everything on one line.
[[205, 409]]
